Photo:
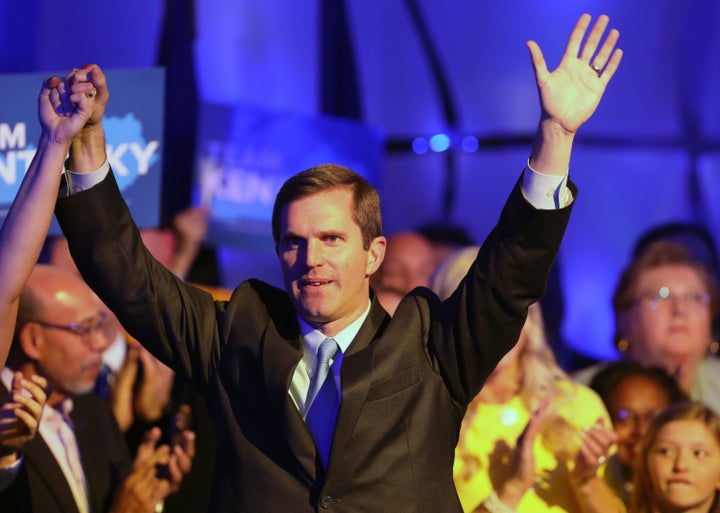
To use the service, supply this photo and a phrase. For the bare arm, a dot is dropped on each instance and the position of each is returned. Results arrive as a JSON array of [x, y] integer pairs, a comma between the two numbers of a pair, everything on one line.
[[63, 111]]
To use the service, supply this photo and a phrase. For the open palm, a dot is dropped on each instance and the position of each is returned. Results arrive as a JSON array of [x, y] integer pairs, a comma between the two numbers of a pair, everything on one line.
[[570, 94]]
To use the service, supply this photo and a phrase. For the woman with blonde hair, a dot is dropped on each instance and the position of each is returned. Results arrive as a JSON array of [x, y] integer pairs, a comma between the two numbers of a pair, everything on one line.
[[532, 440], [679, 467]]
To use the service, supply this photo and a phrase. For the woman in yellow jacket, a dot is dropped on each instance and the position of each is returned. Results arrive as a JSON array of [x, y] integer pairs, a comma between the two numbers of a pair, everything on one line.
[[533, 440]]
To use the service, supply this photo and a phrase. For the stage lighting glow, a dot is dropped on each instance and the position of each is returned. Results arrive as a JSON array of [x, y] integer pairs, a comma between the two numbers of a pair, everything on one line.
[[420, 146], [439, 142], [469, 144]]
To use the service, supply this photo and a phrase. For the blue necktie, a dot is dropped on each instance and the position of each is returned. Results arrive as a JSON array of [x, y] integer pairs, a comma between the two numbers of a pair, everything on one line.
[[102, 382], [323, 401]]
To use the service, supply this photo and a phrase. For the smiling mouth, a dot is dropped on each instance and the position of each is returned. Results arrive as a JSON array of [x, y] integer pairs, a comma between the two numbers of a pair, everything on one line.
[[314, 283], [679, 481]]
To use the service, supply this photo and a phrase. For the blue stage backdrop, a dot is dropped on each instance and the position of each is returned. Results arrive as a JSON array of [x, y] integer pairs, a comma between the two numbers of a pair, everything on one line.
[[245, 154], [133, 126]]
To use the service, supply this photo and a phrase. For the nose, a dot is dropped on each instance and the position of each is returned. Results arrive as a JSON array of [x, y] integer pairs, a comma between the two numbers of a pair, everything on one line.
[[641, 423], [679, 304], [313, 253], [681, 460], [98, 340]]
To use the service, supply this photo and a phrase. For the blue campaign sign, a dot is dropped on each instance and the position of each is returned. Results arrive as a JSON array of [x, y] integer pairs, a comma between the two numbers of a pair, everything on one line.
[[246, 153], [133, 129]]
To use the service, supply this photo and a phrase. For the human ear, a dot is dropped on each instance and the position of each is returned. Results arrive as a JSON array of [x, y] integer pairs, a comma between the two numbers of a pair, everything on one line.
[[31, 340], [376, 254]]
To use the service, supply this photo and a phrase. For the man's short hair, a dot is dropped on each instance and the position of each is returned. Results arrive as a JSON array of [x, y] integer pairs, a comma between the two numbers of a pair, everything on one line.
[[325, 177]]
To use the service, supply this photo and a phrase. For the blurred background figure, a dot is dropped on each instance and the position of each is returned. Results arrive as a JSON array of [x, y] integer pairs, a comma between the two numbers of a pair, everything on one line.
[[179, 247], [679, 465], [80, 461], [664, 305], [695, 238], [409, 262], [633, 395], [532, 439], [143, 392], [445, 238]]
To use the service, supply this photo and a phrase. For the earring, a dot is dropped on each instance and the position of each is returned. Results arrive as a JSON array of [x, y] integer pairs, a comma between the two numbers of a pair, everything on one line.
[[623, 345], [714, 347]]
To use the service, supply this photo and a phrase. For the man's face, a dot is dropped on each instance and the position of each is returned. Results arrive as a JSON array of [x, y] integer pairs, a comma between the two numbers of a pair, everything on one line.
[[325, 268], [409, 262], [69, 334]]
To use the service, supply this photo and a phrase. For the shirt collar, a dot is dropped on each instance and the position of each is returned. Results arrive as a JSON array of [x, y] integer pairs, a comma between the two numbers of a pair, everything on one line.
[[313, 338]]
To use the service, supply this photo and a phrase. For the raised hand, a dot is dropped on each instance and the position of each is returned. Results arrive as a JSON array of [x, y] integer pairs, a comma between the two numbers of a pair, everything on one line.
[[594, 450], [181, 458], [570, 94], [522, 472], [191, 226], [64, 109], [20, 415], [153, 392], [87, 151], [122, 391], [92, 74], [157, 472]]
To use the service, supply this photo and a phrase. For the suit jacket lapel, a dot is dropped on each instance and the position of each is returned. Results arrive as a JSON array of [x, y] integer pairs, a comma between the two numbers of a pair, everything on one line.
[[282, 353], [355, 375], [281, 357], [42, 463]]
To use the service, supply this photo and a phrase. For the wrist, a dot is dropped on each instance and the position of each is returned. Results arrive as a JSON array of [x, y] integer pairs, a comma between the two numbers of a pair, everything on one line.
[[50, 142], [87, 150], [552, 148], [8, 457], [582, 480], [512, 492], [494, 505]]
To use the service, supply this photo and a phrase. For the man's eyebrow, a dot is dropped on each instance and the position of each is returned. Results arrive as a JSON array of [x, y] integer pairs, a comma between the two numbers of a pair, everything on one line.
[[327, 233]]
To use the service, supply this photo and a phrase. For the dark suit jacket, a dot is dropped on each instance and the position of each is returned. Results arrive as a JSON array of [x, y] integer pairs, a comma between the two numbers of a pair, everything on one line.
[[40, 487], [406, 381]]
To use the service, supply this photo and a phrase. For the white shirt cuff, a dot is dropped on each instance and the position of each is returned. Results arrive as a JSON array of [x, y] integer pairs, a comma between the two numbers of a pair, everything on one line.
[[545, 192], [76, 182]]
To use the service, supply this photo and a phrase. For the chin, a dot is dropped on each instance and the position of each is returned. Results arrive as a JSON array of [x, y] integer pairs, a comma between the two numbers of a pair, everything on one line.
[[80, 388]]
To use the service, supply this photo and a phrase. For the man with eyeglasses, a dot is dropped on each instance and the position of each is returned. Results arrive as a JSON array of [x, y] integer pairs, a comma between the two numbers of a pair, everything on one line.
[[79, 462]]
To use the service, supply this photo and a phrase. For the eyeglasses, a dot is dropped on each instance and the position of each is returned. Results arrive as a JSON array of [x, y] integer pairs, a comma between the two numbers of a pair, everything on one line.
[[81, 329], [626, 418], [663, 298]]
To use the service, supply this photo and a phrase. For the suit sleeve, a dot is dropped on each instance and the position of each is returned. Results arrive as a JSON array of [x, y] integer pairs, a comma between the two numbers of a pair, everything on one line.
[[481, 321], [174, 320]]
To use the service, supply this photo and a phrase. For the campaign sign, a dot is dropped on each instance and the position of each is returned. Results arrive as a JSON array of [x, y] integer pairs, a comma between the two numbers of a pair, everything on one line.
[[133, 130], [246, 153]]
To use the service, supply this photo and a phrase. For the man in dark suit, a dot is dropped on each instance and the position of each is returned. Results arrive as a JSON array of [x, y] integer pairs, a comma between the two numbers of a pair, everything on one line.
[[79, 462], [402, 383]]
